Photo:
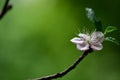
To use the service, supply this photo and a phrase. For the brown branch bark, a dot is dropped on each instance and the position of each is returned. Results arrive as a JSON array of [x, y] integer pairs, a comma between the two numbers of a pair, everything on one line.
[[5, 9], [63, 73]]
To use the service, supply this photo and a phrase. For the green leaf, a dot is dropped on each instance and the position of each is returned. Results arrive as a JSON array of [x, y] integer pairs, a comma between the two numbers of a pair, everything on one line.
[[111, 39], [90, 14], [110, 29], [92, 17]]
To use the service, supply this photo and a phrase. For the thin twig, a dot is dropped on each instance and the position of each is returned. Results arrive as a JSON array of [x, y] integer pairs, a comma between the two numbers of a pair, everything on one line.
[[63, 73], [5, 9]]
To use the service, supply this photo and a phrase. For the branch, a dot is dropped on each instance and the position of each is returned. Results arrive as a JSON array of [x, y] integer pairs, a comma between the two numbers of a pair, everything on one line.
[[63, 73], [5, 9]]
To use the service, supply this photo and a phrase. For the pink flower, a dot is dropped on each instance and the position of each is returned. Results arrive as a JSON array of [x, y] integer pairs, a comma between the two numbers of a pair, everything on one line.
[[86, 41]]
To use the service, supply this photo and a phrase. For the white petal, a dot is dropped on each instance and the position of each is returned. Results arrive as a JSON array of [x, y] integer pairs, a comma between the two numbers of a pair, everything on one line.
[[81, 35], [96, 47], [83, 47], [97, 37], [77, 40], [84, 36]]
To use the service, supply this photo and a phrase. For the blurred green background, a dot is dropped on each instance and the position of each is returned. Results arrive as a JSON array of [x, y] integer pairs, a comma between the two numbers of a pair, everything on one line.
[[35, 40]]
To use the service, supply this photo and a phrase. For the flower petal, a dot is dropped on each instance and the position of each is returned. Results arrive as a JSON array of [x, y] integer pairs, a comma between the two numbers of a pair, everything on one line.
[[83, 47], [96, 47], [81, 35], [97, 37], [84, 36], [77, 40]]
